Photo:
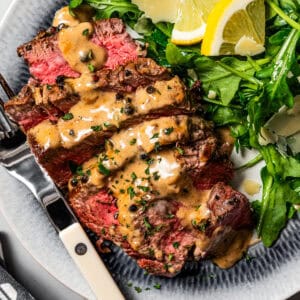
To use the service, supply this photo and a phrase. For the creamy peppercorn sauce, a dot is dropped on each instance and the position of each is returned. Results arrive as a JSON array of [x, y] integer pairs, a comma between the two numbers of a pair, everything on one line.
[[125, 160]]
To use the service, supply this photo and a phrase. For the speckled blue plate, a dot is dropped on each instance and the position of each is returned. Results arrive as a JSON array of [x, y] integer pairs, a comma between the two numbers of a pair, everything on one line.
[[272, 273]]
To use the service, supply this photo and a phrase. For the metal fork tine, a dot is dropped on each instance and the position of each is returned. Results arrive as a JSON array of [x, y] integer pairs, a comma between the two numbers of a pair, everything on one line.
[[7, 127], [8, 91]]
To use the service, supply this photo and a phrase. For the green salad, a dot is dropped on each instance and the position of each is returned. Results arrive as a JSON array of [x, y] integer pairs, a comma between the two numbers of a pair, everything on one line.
[[240, 92]]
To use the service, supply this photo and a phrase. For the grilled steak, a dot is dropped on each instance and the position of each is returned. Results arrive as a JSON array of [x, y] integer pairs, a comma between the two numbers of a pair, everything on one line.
[[46, 61], [36, 103], [78, 136], [162, 228]]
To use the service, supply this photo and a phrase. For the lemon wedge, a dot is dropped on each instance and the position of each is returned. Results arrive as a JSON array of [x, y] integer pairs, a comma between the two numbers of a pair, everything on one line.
[[235, 27], [191, 20]]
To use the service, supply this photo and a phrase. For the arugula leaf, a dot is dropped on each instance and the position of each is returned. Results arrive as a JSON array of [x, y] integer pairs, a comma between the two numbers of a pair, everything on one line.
[[176, 56], [279, 165], [226, 116], [115, 8], [274, 212], [278, 89], [75, 3], [215, 77], [157, 42]]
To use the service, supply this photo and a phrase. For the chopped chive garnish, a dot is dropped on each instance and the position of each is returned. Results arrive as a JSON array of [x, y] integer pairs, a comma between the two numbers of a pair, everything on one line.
[[131, 192], [85, 32], [91, 67], [147, 224], [180, 150], [155, 136], [138, 289], [168, 131], [133, 176], [68, 116], [132, 142], [97, 128], [103, 170], [176, 245], [144, 188]]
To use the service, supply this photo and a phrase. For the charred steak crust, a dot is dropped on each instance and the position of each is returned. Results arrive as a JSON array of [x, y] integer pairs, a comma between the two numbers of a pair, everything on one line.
[[229, 208], [128, 77], [46, 62], [35, 104]]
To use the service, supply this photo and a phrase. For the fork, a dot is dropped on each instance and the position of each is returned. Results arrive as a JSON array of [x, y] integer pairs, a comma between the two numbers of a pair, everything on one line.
[[16, 157]]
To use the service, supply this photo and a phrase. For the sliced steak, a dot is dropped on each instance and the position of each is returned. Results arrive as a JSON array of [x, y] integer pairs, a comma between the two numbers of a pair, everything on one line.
[[78, 137], [46, 61], [157, 210], [162, 232], [36, 103], [139, 141]]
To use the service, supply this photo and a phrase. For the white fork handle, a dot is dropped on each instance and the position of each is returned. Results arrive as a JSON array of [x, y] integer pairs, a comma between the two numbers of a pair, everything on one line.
[[89, 263]]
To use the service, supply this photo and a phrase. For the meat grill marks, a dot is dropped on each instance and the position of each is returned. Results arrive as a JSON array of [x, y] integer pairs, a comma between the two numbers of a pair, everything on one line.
[[36, 103], [46, 62]]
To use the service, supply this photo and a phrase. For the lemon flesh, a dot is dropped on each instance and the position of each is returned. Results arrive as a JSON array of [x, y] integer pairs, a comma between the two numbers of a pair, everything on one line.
[[159, 10], [190, 25], [235, 27]]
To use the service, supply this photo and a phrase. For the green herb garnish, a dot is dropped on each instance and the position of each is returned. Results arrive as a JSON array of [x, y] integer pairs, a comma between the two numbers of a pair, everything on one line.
[[67, 117]]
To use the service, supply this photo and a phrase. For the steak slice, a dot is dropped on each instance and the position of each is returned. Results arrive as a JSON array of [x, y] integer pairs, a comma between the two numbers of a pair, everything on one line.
[[139, 141], [152, 205], [46, 61], [78, 138], [163, 232], [36, 103]]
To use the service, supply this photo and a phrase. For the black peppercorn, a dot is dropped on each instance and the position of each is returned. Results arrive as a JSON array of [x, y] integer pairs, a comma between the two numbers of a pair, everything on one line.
[[133, 208], [150, 89], [144, 156], [128, 73], [74, 182], [61, 26], [60, 81], [28, 47], [119, 96], [84, 178], [128, 109], [71, 132], [116, 215]]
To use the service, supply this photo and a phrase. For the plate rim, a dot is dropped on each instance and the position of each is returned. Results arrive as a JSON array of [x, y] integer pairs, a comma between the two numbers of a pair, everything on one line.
[[5, 22]]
